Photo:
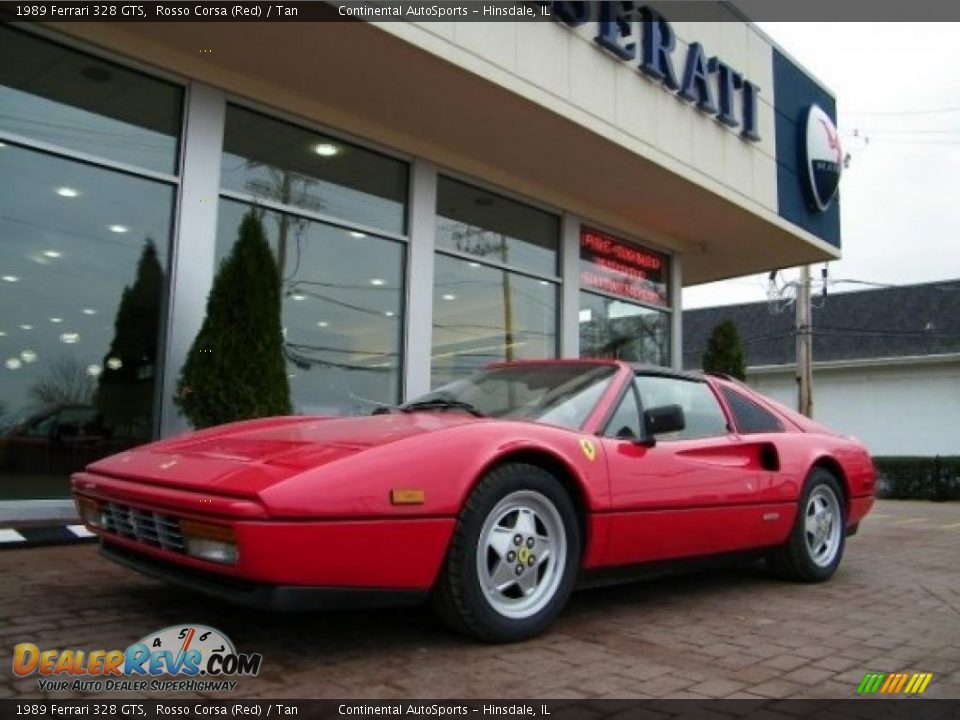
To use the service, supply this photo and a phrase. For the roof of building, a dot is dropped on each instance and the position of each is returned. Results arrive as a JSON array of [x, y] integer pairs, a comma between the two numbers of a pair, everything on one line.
[[888, 322]]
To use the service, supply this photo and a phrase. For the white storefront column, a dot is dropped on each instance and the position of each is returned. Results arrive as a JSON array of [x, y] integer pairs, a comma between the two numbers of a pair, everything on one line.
[[420, 261], [570, 290], [195, 238], [676, 317]]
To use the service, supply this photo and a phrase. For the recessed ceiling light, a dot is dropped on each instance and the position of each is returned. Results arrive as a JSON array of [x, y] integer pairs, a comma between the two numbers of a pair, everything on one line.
[[449, 296], [326, 149], [67, 192], [114, 363], [378, 282], [323, 323], [389, 313], [2, 145], [118, 228], [89, 311], [26, 327], [11, 278], [56, 320], [298, 297], [52, 253], [13, 363], [28, 356], [354, 233], [474, 264], [544, 282], [94, 370], [70, 338]]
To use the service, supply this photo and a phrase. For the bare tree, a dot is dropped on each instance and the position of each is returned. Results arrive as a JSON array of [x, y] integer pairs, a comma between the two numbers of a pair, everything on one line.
[[66, 383]]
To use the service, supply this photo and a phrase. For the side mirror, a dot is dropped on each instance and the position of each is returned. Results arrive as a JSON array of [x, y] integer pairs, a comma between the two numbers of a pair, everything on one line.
[[663, 419]]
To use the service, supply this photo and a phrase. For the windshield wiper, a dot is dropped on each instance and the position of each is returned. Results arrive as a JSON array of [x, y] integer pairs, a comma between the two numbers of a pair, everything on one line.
[[441, 404]]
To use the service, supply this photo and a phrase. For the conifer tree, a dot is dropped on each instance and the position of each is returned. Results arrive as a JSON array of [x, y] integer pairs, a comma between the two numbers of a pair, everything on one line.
[[724, 352], [236, 368], [125, 386]]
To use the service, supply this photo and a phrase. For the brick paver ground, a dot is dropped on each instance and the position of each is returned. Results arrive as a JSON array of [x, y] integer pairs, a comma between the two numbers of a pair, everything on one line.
[[893, 606]]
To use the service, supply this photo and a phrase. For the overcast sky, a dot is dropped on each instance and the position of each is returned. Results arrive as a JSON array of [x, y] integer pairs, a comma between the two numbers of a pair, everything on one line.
[[897, 87]]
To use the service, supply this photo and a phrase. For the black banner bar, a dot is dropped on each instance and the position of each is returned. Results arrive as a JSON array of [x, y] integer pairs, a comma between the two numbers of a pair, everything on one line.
[[468, 10], [144, 709]]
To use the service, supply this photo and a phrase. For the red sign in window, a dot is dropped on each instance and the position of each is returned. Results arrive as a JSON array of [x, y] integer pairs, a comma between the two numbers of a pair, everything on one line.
[[618, 268]]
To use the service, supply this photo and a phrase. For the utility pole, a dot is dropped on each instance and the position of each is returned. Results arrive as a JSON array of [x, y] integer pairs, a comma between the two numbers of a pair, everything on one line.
[[804, 332]]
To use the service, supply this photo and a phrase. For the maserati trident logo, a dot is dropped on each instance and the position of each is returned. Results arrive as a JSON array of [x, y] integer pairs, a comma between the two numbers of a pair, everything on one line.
[[824, 157]]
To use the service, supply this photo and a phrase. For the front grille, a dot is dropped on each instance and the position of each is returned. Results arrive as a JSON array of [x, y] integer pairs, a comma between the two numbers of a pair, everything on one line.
[[146, 526]]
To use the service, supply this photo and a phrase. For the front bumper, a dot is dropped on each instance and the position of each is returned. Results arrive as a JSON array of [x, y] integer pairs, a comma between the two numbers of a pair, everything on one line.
[[289, 598], [403, 552]]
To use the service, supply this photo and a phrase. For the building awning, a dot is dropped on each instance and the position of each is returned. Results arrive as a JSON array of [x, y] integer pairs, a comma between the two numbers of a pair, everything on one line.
[[359, 78]]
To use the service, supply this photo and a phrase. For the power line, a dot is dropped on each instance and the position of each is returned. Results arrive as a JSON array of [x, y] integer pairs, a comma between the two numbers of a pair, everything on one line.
[[903, 113], [858, 132]]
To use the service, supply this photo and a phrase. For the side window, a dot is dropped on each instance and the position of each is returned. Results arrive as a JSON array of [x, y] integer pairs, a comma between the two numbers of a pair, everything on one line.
[[703, 414], [625, 422], [750, 417]]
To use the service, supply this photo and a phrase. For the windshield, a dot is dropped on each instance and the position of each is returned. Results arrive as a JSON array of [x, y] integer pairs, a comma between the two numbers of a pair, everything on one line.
[[555, 394]]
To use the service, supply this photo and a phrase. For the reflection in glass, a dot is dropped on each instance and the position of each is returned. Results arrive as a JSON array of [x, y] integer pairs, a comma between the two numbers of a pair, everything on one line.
[[476, 221], [64, 97], [562, 395], [274, 160], [80, 316], [342, 310], [483, 314], [616, 329]]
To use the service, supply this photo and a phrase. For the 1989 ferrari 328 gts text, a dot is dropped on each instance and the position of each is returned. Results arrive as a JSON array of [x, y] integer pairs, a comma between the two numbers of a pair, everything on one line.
[[492, 496]]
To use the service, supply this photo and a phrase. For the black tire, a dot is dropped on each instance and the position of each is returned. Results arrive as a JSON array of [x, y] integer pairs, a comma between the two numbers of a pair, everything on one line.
[[795, 560], [459, 597]]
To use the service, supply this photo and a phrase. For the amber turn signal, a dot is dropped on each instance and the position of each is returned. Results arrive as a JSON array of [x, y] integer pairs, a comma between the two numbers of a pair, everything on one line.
[[91, 512], [407, 497], [191, 528]]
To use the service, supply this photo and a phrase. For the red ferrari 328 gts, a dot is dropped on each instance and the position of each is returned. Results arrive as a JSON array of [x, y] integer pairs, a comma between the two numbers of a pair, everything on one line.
[[493, 496]]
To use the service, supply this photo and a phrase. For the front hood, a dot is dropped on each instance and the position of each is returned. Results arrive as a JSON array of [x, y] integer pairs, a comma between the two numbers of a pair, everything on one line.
[[243, 459]]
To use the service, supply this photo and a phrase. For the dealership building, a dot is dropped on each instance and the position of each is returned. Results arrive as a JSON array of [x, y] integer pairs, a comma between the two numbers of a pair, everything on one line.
[[438, 195]]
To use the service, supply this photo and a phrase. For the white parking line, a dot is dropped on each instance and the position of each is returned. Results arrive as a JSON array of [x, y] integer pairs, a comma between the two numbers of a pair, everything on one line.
[[10, 536], [80, 531]]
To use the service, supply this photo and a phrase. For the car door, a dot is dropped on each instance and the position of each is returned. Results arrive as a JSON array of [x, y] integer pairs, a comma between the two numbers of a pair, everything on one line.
[[698, 491]]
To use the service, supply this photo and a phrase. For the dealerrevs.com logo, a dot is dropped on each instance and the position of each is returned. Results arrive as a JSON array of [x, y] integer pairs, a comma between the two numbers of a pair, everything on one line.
[[202, 655]]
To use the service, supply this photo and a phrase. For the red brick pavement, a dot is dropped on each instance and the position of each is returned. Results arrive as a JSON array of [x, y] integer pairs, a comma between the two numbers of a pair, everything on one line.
[[893, 606]]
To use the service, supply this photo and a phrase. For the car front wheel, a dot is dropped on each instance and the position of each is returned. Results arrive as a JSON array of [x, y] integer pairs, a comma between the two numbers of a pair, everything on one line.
[[514, 556]]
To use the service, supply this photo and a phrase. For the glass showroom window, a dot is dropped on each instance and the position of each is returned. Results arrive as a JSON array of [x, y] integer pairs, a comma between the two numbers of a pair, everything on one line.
[[72, 100], [495, 281], [268, 160], [83, 262], [342, 284], [624, 301]]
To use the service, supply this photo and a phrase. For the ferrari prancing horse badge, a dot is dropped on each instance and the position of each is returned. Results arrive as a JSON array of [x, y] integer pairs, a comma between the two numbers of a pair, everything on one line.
[[589, 451]]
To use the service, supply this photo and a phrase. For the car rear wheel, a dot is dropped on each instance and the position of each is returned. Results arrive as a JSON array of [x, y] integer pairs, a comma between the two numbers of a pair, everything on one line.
[[514, 556], [815, 546]]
